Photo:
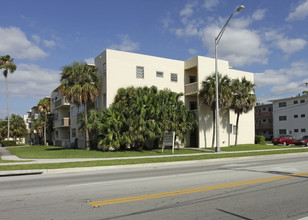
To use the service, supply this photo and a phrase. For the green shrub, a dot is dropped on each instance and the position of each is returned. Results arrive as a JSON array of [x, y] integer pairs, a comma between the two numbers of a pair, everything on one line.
[[8, 143], [260, 140]]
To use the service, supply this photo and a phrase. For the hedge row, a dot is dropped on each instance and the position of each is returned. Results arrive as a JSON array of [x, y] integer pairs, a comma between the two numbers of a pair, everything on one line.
[[8, 143]]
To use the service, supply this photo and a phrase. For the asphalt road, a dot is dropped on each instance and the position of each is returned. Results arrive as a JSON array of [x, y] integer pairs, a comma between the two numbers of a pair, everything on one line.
[[267, 187]]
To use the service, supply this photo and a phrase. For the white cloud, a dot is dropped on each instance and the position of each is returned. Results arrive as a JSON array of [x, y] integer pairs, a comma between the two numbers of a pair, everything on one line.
[[234, 43], [192, 51], [285, 44], [188, 10], [49, 43], [89, 60], [259, 14], [14, 42], [210, 4], [284, 80], [126, 44], [31, 81], [300, 13]]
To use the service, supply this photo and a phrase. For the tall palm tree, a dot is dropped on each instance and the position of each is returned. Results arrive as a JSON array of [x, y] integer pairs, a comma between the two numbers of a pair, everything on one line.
[[244, 99], [80, 84], [7, 63], [44, 107], [208, 95]]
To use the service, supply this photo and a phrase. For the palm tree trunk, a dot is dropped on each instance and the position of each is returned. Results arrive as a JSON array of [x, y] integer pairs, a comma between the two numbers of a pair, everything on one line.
[[236, 130], [8, 112], [214, 128], [86, 125], [45, 128]]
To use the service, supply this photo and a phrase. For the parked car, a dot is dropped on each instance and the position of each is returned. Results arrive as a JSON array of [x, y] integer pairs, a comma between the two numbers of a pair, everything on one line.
[[283, 139], [302, 141]]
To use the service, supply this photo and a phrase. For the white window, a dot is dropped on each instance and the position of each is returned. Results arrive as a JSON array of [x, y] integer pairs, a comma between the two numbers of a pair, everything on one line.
[[140, 72], [81, 108], [282, 104], [74, 111], [174, 77], [74, 132], [159, 74]]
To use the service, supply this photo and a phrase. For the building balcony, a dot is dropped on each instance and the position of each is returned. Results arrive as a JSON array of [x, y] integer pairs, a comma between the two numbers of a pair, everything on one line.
[[61, 102], [191, 88], [264, 114], [64, 122], [264, 126]]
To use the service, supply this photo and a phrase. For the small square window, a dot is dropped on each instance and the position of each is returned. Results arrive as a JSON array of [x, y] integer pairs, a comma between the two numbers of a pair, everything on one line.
[[303, 115], [303, 101], [295, 130], [303, 130], [159, 74], [282, 104], [174, 77], [295, 116], [140, 72], [295, 102], [282, 131], [282, 118]]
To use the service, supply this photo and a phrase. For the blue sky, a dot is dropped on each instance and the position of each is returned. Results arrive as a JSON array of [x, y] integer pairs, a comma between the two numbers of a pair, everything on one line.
[[268, 38]]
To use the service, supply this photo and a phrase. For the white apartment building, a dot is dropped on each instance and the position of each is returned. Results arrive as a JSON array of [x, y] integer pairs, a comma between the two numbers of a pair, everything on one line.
[[290, 116], [123, 69]]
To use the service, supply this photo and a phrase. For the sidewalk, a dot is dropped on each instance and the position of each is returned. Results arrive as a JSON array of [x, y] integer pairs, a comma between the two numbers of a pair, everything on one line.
[[7, 155]]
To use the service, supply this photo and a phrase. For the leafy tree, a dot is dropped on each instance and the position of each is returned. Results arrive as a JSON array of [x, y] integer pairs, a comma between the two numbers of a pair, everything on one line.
[[208, 95], [18, 127], [139, 115], [7, 63], [80, 84], [244, 99], [44, 108]]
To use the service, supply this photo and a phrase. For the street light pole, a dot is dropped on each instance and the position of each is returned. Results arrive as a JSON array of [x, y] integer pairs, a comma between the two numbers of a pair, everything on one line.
[[217, 39]]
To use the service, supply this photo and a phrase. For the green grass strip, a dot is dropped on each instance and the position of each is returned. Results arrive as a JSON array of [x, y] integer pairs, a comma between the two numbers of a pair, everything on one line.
[[142, 161]]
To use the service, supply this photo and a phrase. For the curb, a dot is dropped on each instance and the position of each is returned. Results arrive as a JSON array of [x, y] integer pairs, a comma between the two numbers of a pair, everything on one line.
[[21, 172]]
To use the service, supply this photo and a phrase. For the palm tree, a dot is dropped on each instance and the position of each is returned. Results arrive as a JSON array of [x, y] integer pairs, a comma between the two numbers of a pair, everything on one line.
[[7, 63], [79, 83], [18, 127], [44, 107], [244, 99], [208, 95]]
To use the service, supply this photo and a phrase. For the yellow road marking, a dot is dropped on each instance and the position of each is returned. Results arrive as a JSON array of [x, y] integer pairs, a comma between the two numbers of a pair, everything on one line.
[[186, 191]]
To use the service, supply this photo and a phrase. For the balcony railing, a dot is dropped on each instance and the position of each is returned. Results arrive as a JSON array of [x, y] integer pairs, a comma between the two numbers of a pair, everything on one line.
[[191, 88], [264, 126], [64, 122], [264, 114], [61, 102]]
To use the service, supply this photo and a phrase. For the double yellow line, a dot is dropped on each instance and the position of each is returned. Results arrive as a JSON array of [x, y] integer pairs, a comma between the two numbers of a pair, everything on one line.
[[186, 191]]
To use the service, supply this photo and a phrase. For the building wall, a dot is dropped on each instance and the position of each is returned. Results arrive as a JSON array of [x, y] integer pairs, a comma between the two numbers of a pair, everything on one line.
[[290, 116], [121, 72]]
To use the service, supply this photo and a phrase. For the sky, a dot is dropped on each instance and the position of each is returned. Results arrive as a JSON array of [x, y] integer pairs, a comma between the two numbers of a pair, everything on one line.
[[268, 38]]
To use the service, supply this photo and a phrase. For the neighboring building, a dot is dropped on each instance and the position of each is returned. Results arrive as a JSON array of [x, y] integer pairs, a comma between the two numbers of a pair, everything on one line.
[[290, 116], [60, 110], [264, 120], [123, 69], [34, 137]]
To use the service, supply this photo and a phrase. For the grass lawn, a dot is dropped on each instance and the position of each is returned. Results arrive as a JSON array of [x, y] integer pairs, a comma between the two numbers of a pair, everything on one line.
[[142, 161], [52, 152]]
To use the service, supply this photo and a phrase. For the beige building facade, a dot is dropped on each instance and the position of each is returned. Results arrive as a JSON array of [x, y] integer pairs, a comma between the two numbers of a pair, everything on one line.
[[123, 69]]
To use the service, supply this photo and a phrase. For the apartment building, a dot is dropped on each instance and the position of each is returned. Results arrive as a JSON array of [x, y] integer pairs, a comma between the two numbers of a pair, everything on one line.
[[290, 116], [123, 69], [61, 110], [264, 120]]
